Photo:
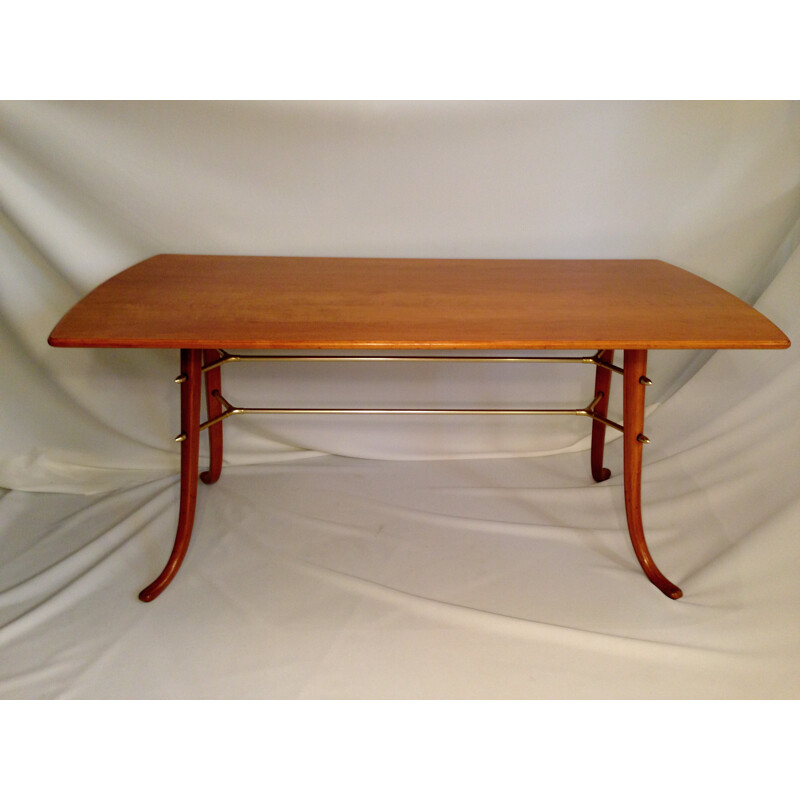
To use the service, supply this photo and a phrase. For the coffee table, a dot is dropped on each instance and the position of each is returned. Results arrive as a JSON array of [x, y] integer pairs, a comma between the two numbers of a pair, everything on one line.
[[485, 310]]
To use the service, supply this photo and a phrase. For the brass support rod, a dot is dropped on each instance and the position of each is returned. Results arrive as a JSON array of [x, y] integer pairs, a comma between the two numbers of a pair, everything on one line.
[[227, 358], [589, 411], [591, 407], [597, 361], [231, 410], [486, 411], [611, 424]]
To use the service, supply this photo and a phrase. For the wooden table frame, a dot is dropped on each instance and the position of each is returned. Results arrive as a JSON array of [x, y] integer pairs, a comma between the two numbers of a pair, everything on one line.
[[263, 303]]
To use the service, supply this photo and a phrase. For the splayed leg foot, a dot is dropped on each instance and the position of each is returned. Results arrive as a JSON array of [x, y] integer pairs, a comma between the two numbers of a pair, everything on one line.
[[635, 364], [190, 423]]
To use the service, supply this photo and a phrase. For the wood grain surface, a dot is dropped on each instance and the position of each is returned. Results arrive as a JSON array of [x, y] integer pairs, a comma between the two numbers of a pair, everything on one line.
[[270, 302]]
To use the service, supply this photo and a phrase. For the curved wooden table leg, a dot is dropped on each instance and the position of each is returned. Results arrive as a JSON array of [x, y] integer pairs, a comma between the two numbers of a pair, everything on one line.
[[602, 383], [213, 383], [633, 422], [190, 451]]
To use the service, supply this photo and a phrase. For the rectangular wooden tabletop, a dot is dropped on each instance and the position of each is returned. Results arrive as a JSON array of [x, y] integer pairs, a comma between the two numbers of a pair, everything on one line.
[[272, 302]]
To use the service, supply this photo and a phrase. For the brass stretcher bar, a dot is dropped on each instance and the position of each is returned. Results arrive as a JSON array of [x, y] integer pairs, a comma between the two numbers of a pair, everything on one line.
[[588, 411], [226, 358]]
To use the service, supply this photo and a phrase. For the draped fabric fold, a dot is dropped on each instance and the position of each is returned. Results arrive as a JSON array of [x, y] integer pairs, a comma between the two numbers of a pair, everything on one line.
[[397, 558]]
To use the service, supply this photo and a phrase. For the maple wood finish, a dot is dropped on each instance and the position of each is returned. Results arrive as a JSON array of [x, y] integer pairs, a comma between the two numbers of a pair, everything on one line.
[[213, 408], [273, 303], [602, 385], [190, 453], [201, 303], [634, 365]]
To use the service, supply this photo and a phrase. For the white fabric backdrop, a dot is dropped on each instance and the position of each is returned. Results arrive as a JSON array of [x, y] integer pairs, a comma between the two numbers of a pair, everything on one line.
[[467, 575]]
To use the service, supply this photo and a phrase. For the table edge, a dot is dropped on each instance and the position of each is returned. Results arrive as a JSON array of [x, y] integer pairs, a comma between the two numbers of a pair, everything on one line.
[[778, 339], [606, 344]]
